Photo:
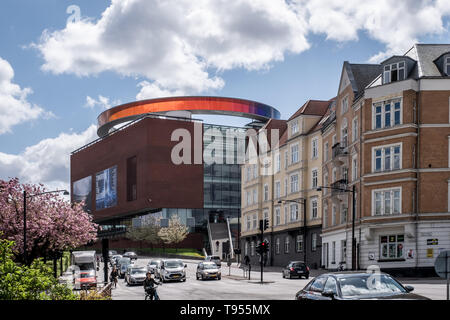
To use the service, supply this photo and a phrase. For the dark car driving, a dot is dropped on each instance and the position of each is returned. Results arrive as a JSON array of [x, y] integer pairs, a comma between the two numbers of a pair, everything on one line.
[[356, 286], [296, 269], [130, 254]]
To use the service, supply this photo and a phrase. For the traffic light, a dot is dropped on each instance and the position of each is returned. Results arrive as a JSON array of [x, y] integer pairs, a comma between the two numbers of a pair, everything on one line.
[[263, 224], [266, 224], [264, 246]]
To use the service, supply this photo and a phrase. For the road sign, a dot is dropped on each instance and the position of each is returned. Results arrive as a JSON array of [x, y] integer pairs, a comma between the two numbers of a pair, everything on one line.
[[442, 267]]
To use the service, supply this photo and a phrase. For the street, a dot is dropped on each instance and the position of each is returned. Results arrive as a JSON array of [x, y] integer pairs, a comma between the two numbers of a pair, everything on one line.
[[235, 287]]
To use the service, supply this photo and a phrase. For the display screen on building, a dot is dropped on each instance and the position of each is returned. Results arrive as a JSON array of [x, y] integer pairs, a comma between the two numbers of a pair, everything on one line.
[[106, 188], [82, 191]]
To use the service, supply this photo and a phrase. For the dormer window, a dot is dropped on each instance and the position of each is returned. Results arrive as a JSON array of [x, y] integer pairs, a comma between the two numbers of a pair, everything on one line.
[[394, 72], [294, 127], [447, 65]]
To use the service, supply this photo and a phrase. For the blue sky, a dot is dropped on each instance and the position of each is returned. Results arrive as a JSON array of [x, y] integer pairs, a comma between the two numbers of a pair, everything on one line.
[[269, 51]]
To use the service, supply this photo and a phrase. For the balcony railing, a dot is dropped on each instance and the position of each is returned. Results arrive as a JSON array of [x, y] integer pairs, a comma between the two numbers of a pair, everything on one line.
[[340, 184], [339, 149]]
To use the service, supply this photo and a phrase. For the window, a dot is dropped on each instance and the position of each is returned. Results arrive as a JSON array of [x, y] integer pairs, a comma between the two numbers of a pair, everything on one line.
[[387, 114], [315, 148], [249, 223], [343, 251], [277, 189], [314, 242], [325, 183], [344, 105], [249, 173], [255, 219], [286, 244], [354, 168], [314, 176], [294, 127], [330, 285], [285, 186], [325, 215], [266, 192], [333, 252], [354, 129], [294, 153], [252, 248], [314, 209], [294, 183], [294, 212], [344, 134], [343, 214], [277, 162], [391, 247], [286, 158], [255, 196], [334, 175], [132, 178], [299, 243], [277, 216], [266, 216], [345, 173], [394, 72], [277, 245], [249, 198], [387, 158], [447, 66], [333, 140], [325, 154], [318, 284], [286, 215], [333, 215], [386, 201], [246, 248]]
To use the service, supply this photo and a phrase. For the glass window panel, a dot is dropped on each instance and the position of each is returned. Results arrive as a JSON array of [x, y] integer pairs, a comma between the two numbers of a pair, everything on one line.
[[384, 251], [401, 64], [387, 115], [387, 202], [387, 158], [392, 250], [384, 239], [378, 203]]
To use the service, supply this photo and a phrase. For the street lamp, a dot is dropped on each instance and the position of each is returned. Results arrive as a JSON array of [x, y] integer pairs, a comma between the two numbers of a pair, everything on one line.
[[300, 201], [25, 196], [353, 191]]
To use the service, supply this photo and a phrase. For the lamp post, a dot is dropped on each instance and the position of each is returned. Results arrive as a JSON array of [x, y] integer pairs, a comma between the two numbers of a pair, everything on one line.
[[25, 196], [353, 191], [300, 201]]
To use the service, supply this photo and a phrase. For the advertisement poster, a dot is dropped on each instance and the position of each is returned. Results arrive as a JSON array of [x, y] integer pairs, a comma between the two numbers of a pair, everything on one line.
[[106, 188], [82, 191]]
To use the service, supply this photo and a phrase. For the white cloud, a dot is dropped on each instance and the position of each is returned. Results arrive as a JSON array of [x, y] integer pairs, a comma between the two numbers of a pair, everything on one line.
[[102, 102], [153, 90], [178, 46], [14, 106], [46, 162]]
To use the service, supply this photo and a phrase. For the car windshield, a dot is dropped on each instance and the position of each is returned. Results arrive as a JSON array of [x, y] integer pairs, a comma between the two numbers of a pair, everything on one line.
[[174, 264], [130, 253], [369, 285], [210, 266], [137, 271], [86, 266], [153, 263], [298, 265], [125, 261]]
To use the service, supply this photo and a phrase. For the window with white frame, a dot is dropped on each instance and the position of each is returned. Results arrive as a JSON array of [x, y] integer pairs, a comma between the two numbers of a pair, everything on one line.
[[299, 243], [447, 66], [277, 189], [249, 222], [294, 127], [345, 173], [386, 201], [325, 183], [286, 183], [266, 215], [344, 133], [266, 192], [255, 221], [255, 171], [314, 177], [277, 216], [286, 215], [294, 183], [394, 72], [333, 215], [387, 114], [294, 153], [343, 251], [325, 151], [277, 245], [255, 196], [354, 129], [294, 212], [286, 244], [391, 246], [315, 148], [249, 173], [354, 167], [325, 215], [286, 159], [333, 140], [314, 208], [334, 175], [387, 158], [344, 105], [314, 241]]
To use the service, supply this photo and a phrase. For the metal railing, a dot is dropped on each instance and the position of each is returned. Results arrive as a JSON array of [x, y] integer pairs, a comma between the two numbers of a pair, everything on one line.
[[337, 185], [339, 149]]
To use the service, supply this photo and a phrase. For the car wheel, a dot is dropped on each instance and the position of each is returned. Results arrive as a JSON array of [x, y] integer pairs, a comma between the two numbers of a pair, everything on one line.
[[219, 278], [196, 276], [284, 276]]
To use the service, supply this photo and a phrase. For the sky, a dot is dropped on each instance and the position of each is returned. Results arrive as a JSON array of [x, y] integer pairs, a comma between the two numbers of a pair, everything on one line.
[[63, 62]]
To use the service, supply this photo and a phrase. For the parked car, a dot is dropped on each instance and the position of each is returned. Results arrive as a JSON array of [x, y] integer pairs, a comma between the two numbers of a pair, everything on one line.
[[153, 265], [356, 286], [295, 269], [208, 270], [215, 259], [122, 266], [135, 275], [172, 269], [130, 254]]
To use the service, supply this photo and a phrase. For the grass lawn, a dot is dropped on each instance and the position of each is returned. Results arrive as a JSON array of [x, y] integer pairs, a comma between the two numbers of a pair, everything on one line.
[[182, 251]]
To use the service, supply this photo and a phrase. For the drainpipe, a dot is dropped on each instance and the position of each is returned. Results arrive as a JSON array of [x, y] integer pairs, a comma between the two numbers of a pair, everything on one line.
[[418, 178]]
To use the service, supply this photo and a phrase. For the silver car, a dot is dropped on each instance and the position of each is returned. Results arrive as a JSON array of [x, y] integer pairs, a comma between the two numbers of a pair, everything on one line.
[[215, 259], [172, 269], [135, 275], [153, 267], [208, 270]]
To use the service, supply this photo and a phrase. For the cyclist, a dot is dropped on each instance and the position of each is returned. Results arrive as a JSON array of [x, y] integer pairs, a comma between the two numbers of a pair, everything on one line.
[[113, 276], [149, 287]]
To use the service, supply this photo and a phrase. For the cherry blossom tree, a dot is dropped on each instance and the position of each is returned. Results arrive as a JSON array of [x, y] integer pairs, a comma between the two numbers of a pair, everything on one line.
[[53, 224]]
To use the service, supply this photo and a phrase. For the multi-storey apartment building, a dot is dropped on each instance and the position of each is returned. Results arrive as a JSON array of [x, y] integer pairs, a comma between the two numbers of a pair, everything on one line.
[[276, 189], [399, 164], [341, 162]]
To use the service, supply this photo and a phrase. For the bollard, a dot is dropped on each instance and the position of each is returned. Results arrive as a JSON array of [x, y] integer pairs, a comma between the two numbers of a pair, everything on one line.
[[249, 270]]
